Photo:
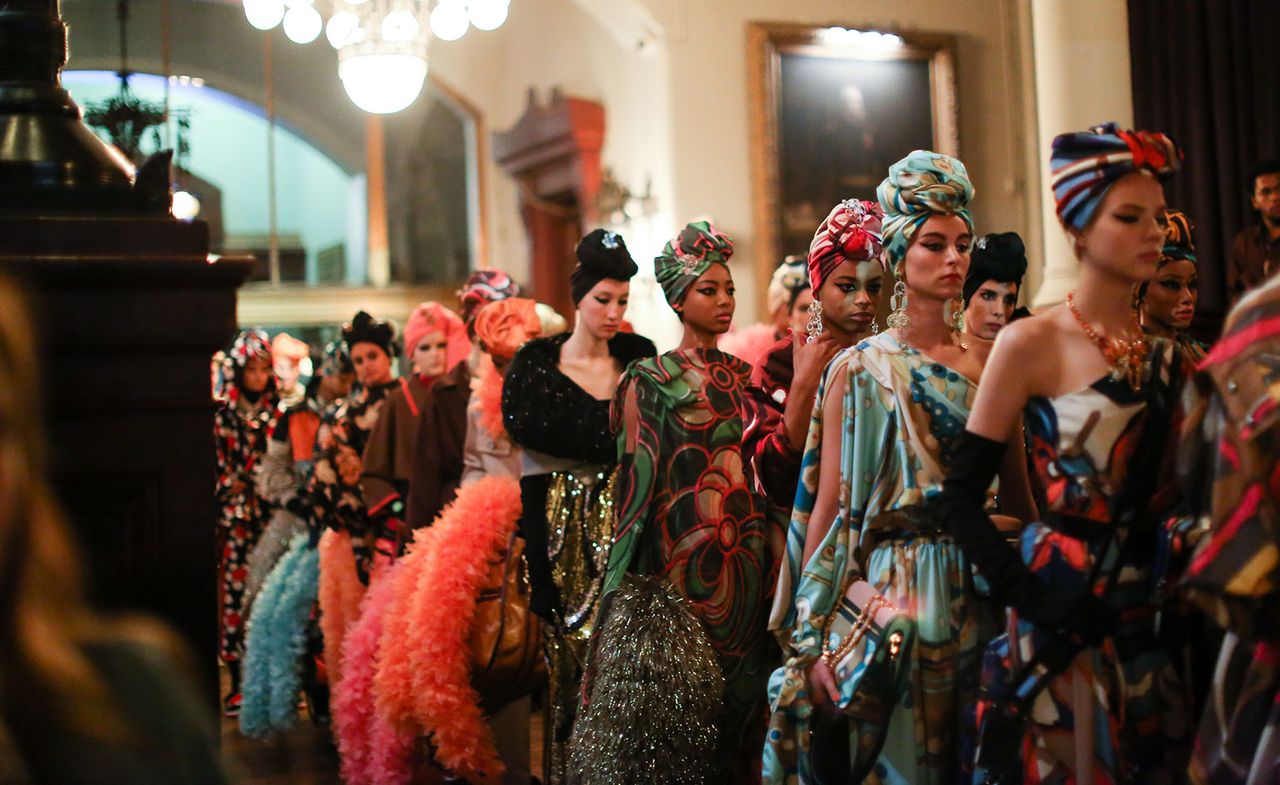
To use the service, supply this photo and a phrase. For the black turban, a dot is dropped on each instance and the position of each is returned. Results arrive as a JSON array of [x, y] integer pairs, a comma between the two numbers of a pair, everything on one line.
[[601, 254], [363, 328], [997, 257]]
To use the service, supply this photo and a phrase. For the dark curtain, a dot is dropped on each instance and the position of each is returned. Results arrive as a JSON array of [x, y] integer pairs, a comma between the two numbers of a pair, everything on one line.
[[1207, 72]]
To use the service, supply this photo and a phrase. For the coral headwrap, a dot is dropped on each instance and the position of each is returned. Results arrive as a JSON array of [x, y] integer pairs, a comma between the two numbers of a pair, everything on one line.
[[851, 232], [1086, 164], [918, 187], [1178, 243], [503, 327], [687, 256], [430, 317]]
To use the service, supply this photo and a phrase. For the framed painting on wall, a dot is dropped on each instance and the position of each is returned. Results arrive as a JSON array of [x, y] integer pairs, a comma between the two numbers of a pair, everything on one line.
[[831, 108]]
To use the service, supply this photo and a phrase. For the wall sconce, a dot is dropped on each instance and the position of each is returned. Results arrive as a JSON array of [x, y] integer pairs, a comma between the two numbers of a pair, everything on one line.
[[617, 205]]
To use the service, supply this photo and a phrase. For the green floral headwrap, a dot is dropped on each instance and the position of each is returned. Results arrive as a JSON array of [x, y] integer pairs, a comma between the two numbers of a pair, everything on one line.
[[919, 186], [685, 258]]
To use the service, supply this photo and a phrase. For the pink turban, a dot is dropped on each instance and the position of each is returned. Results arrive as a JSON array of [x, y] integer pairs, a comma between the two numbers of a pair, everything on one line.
[[433, 317]]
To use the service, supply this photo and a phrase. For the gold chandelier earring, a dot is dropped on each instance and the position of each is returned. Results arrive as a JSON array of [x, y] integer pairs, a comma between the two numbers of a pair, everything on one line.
[[957, 320]]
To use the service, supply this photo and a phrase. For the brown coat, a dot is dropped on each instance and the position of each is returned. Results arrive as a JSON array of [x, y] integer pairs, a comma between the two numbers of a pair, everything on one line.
[[436, 468], [388, 457]]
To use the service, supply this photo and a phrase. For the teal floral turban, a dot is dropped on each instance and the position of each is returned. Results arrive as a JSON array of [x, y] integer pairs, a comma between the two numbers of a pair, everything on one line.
[[685, 258], [919, 186]]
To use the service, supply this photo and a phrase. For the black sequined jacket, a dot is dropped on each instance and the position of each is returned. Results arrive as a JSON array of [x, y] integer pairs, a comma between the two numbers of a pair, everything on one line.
[[546, 411]]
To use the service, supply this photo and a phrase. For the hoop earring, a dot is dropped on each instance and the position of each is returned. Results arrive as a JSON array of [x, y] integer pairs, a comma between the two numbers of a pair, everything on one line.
[[957, 320], [815, 327], [898, 319]]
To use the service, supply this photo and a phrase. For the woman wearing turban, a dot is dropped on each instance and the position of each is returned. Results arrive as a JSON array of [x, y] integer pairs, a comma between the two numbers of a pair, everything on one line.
[[687, 516], [555, 402], [241, 428], [435, 341], [1167, 303], [442, 426], [991, 288], [885, 421], [1101, 703], [845, 275]]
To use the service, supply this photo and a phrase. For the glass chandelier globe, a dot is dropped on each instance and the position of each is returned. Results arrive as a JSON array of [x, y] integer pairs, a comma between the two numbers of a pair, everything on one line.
[[488, 14], [302, 24], [383, 83], [449, 20], [264, 14]]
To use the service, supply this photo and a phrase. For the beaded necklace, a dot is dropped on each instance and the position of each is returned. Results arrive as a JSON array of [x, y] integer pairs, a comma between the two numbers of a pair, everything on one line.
[[1129, 359]]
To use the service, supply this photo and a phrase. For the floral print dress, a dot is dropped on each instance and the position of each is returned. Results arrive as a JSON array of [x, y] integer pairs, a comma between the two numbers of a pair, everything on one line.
[[241, 431], [334, 493], [1081, 447], [687, 513], [902, 413]]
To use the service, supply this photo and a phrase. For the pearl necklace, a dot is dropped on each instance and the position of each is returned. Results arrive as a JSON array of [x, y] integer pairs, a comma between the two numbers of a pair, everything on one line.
[[1129, 359]]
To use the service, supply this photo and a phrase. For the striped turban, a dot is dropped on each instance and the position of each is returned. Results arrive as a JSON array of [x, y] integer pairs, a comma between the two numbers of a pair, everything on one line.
[[918, 187], [850, 233], [688, 256], [482, 288], [1086, 164], [1178, 243]]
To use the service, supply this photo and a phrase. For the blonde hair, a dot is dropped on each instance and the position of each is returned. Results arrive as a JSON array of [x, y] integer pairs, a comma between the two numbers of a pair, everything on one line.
[[44, 620]]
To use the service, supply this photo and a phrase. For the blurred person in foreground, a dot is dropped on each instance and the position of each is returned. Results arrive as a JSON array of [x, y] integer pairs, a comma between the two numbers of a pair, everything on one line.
[[83, 698]]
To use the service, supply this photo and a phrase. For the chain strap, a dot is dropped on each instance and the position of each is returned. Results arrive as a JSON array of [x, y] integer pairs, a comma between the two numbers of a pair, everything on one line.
[[861, 626]]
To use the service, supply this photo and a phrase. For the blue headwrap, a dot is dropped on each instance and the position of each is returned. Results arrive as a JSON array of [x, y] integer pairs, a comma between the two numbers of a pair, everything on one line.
[[918, 187]]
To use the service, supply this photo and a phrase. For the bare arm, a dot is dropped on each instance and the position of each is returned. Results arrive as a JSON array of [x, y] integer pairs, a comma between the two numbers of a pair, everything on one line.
[[827, 501], [1016, 498]]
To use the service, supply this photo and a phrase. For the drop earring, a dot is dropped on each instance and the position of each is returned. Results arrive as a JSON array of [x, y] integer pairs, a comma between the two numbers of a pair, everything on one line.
[[957, 321], [898, 319], [815, 327]]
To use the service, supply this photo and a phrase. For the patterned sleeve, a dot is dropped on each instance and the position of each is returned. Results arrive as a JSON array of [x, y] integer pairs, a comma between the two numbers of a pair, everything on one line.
[[1234, 573], [225, 477], [773, 465], [636, 475]]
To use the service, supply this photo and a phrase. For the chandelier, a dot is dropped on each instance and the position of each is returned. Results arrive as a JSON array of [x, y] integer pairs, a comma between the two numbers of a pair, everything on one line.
[[382, 44]]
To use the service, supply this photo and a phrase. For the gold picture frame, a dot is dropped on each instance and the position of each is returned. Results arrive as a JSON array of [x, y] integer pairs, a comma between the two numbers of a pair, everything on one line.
[[807, 84]]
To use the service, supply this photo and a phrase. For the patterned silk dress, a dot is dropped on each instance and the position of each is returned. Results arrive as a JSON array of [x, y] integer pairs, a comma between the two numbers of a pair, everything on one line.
[[686, 513], [1232, 449], [1081, 445], [902, 414]]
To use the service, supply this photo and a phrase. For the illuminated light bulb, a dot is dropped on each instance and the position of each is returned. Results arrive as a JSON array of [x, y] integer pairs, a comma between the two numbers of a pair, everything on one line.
[[343, 29], [184, 206], [449, 20], [263, 14], [383, 83], [488, 14], [302, 24]]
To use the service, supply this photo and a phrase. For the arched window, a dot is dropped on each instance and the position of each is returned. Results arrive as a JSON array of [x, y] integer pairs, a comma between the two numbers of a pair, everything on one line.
[[431, 199]]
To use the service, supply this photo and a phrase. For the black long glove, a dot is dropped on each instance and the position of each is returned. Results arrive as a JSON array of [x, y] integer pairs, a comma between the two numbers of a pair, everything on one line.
[[973, 466], [544, 597]]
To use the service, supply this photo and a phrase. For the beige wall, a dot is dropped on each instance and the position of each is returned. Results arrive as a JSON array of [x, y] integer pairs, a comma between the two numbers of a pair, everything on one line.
[[679, 114]]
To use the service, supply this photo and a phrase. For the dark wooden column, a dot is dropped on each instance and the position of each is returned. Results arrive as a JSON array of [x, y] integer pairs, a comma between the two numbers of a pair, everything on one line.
[[129, 310], [553, 153]]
